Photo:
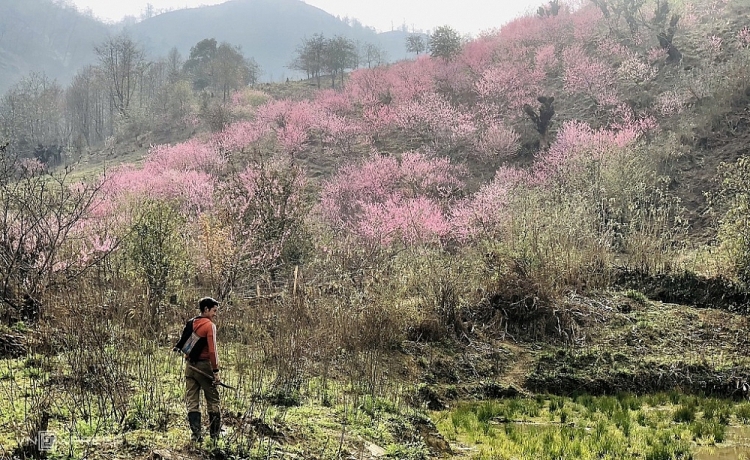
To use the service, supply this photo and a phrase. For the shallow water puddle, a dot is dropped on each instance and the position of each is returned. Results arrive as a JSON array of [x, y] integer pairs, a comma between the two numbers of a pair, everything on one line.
[[736, 447]]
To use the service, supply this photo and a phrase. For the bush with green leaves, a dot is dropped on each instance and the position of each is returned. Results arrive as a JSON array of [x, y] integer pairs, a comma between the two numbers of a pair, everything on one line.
[[156, 252]]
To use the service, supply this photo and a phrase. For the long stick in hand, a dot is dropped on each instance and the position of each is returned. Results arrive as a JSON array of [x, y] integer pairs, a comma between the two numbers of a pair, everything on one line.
[[211, 377]]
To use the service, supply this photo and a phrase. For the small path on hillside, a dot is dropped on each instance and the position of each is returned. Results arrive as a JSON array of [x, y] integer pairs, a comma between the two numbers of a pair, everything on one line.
[[521, 366], [524, 360]]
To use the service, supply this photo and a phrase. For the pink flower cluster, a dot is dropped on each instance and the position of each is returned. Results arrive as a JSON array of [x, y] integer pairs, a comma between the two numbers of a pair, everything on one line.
[[387, 199], [507, 87], [588, 75], [241, 135], [633, 69], [577, 143], [484, 213], [499, 141], [184, 173], [670, 103], [434, 115], [714, 44], [743, 37], [657, 54]]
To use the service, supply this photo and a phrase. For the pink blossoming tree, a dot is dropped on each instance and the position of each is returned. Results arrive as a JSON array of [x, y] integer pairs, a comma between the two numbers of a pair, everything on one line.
[[387, 199]]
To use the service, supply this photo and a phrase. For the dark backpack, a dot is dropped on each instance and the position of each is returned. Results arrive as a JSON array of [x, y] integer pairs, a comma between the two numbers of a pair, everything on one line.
[[190, 343]]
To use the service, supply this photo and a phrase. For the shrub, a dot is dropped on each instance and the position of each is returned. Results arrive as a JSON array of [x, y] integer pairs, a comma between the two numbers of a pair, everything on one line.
[[156, 249], [685, 413], [708, 429], [734, 231], [743, 413], [638, 296]]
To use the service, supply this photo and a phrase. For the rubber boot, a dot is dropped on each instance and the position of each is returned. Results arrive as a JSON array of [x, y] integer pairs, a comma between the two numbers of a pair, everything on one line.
[[214, 424], [194, 419]]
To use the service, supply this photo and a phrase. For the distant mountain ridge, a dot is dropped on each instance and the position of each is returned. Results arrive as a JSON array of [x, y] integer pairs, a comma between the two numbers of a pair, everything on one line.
[[267, 30], [42, 36], [54, 38]]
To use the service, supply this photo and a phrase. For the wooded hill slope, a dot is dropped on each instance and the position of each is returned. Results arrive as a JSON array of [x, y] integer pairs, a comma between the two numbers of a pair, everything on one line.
[[541, 159], [566, 143]]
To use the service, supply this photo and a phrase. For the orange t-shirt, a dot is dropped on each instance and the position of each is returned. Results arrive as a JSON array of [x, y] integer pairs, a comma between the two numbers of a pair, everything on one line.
[[204, 327]]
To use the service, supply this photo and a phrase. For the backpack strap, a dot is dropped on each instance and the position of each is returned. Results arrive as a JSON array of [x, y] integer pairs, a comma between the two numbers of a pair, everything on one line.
[[187, 331], [200, 343]]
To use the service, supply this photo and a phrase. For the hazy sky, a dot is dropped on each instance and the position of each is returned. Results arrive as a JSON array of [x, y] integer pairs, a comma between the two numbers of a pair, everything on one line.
[[466, 16]]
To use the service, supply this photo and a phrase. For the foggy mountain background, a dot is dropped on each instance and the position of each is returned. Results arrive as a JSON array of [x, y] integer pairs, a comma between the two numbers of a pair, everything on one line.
[[56, 39]]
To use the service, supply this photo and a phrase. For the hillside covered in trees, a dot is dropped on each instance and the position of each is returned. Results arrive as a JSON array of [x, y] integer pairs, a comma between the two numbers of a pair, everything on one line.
[[557, 208]]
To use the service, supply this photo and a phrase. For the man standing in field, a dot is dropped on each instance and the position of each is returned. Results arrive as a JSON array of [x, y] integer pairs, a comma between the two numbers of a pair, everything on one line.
[[198, 343]]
